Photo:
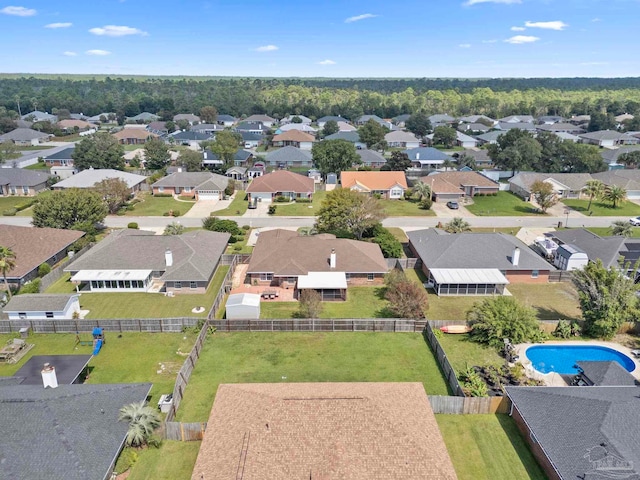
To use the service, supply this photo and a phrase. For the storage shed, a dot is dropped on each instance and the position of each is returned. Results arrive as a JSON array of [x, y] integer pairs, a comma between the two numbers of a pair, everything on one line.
[[243, 306], [570, 257]]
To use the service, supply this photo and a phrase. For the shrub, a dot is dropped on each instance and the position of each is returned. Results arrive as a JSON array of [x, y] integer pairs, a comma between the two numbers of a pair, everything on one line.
[[425, 203], [230, 189], [233, 239], [472, 383], [132, 225], [407, 299], [23, 205], [174, 213], [390, 246], [162, 195], [310, 304], [166, 214], [10, 212], [134, 201], [44, 269], [30, 287], [126, 460], [246, 227], [121, 211], [82, 242], [303, 200], [563, 329], [272, 210], [215, 224], [377, 196], [281, 199], [237, 248]]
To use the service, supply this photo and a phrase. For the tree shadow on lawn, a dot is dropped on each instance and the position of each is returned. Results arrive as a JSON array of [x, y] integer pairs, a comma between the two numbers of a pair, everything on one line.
[[522, 449], [544, 313], [527, 209]]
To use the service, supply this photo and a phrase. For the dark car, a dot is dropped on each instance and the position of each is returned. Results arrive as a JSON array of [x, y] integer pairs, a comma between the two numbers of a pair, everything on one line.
[[453, 205]]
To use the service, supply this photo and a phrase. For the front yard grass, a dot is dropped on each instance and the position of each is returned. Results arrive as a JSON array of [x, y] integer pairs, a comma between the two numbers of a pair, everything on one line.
[[237, 207], [488, 447], [266, 357], [606, 231], [296, 209], [40, 166], [143, 305], [505, 204], [601, 209], [405, 208], [151, 206]]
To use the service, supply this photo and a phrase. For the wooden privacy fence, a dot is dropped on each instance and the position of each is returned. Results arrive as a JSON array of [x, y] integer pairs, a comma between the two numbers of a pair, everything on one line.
[[184, 432], [321, 325], [441, 356], [54, 275], [469, 405], [225, 288], [151, 325]]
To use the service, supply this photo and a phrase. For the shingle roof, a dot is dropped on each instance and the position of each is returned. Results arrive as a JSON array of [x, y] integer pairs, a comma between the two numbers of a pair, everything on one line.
[[476, 127], [34, 246], [400, 136], [627, 179], [369, 157], [426, 153], [490, 136], [454, 182], [441, 118], [62, 154], [607, 374], [226, 118], [145, 116], [39, 116], [607, 135], [301, 117], [475, 119], [575, 181], [303, 127], [251, 126], [366, 118], [611, 155], [206, 127], [250, 136], [481, 156], [70, 432], [193, 180], [439, 249], [288, 154], [283, 252], [23, 135], [88, 178], [281, 181], [20, 177], [191, 135], [519, 125], [373, 180], [195, 254], [352, 431], [260, 118], [517, 119], [584, 430], [189, 117], [596, 247], [352, 136], [328, 118], [38, 302], [137, 133], [294, 136]]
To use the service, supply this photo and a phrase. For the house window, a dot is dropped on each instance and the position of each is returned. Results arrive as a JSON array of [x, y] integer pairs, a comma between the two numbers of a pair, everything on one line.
[[534, 274], [22, 315], [348, 276], [177, 285], [370, 277], [49, 314], [193, 284], [160, 189], [266, 277], [187, 189], [25, 190]]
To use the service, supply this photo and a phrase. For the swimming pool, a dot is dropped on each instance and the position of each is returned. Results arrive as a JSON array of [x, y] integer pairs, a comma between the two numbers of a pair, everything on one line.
[[562, 358]]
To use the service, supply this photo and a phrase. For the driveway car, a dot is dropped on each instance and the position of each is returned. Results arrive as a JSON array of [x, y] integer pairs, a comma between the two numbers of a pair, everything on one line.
[[453, 205], [635, 221]]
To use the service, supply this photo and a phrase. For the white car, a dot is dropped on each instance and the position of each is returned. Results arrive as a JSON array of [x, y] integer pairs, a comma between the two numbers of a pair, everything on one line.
[[635, 221]]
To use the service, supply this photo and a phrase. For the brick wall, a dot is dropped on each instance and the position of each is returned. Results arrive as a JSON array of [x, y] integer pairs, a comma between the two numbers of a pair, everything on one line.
[[537, 451]]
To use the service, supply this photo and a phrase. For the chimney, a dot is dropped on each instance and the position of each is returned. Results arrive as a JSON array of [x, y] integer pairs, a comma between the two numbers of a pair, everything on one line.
[[332, 258], [168, 258], [49, 378], [515, 257]]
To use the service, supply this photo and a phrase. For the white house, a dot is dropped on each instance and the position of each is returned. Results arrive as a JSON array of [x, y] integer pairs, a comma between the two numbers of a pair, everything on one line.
[[402, 139], [43, 306]]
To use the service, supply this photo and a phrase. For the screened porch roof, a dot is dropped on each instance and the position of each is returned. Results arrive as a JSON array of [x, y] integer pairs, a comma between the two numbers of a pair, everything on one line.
[[323, 280], [89, 275], [473, 276]]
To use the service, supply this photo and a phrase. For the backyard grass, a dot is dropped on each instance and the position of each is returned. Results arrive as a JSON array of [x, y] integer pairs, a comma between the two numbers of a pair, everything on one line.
[[174, 460], [362, 302], [307, 357], [600, 209], [241, 246], [405, 208], [143, 305], [606, 231], [488, 447], [237, 207], [462, 352], [151, 206], [505, 204], [296, 209]]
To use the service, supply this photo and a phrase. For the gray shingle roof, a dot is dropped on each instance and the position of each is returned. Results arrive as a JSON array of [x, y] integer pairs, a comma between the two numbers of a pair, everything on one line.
[[580, 428], [288, 154], [37, 302], [250, 136], [475, 118], [607, 374], [259, 118], [21, 177], [39, 116], [88, 178], [441, 118], [517, 119], [627, 179], [195, 254], [192, 179], [70, 432], [439, 249], [189, 117], [596, 247], [426, 153], [22, 135], [191, 135], [490, 136], [575, 181], [353, 137], [145, 116], [611, 155], [608, 135], [246, 126], [206, 127], [332, 117], [520, 125], [241, 155], [62, 154], [369, 157], [226, 118]]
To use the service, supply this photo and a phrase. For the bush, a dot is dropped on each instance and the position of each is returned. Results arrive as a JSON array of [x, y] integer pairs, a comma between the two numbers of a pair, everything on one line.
[[310, 304], [121, 211], [390, 246], [82, 242], [237, 248], [472, 383], [126, 460], [215, 224], [162, 195], [24, 205], [406, 299], [272, 210], [166, 214], [563, 329], [304, 200], [174, 213], [10, 212], [425, 203], [134, 201], [231, 188], [233, 239], [30, 287], [44, 269], [246, 227], [281, 199], [132, 225]]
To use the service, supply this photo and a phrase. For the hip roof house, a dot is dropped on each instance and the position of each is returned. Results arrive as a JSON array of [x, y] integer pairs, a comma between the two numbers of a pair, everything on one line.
[[200, 185], [390, 184], [280, 183], [88, 178], [20, 181]]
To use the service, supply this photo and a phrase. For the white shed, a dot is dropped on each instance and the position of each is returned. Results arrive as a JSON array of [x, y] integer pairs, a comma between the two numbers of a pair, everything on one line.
[[570, 257], [243, 306], [42, 306]]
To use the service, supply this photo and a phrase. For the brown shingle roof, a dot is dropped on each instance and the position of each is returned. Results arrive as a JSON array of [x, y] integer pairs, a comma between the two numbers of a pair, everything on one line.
[[373, 180], [454, 182], [293, 136], [137, 133], [282, 181], [283, 252], [70, 123], [34, 246], [341, 431]]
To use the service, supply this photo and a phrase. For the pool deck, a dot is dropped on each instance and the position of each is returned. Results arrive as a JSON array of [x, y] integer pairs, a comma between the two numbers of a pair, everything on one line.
[[554, 379]]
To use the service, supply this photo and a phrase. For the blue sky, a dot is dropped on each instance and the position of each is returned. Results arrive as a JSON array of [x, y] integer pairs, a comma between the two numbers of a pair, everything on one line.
[[333, 38]]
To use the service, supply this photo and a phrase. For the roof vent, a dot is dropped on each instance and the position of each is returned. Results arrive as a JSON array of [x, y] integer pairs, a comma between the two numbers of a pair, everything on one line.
[[168, 258]]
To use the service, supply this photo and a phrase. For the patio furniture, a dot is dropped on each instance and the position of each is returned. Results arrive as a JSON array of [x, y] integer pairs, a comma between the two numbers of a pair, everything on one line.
[[12, 347], [269, 294]]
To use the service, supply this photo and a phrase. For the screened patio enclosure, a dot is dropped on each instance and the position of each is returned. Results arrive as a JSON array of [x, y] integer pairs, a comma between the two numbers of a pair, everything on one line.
[[114, 280], [480, 281], [332, 286]]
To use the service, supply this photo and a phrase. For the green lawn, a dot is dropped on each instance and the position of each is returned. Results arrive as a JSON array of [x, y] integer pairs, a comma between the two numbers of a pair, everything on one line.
[[244, 248], [600, 209], [508, 230], [488, 447], [143, 305], [405, 208], [307, 357], [462, 352], [174, 460], [505, 204], [156, 206], [237, 208], [11, 201], [33, 148], [301, 209], [37, 166], [606, 231], [362, 302]]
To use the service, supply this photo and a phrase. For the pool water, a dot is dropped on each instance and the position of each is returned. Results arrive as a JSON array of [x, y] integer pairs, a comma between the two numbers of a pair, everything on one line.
[[562, 358]]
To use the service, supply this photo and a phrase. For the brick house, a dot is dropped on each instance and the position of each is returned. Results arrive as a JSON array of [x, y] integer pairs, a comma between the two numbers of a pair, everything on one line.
[[448, 186], [133, 136], [22, 182], [294, 138], [280, 183], [389, 185], [198, 185]]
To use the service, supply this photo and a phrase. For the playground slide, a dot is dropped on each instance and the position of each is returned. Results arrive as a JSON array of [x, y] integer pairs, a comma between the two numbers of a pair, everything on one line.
[[98, 346]]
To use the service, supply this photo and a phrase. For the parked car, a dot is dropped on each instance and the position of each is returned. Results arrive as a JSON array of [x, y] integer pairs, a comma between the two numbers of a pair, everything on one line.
[[453, 205], [635, 221]]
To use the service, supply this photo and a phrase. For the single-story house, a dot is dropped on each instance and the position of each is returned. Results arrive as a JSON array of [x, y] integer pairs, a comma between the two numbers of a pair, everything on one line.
[[526, 126], [25, 137], [627, 179], [549, 119], [241, 158], [72, 125], [476, 263], [303, 120], [462, 140], [22, 182], [139, 261], [608, 138], [288, 157], [565, 185], [351, 136], [402, 139], [33, 247], [480, 155], [63, 158], [242, 306], [473, 128], [356, 431], [208, 128], [623, 117], [343, 126], [88, 178], [159, 128], [42, 306], [226, 120], [611, 155], [603, 374], [489, 137], [560, 128], [38, 116], [579, 119], [294, 138], [69, 369], [266, 120], [479, 119], [199, 185], [144, 117], [302, 127], [365, 118], [446, 186], [98, 118], [323, 120], [237, 173], [280, 183], [258, 128], [587, 432], [441, 118], [426, 157], [517, 119], [189, 137], [388, 184], [251, 140], [133, 136], [70, 432], [322, 262], [371, 158], [401, 120], [189, 117], [567, 136]]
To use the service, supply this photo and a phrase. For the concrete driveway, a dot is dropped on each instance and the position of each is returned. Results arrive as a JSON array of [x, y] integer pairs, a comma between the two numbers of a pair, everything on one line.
[[202, 209], [441, 210]]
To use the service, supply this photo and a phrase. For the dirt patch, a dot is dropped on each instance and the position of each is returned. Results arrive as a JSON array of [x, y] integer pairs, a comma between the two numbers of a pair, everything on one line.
[[169, 368]]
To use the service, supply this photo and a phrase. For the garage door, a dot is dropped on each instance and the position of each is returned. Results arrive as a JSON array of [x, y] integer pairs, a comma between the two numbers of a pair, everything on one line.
[[208, 195]]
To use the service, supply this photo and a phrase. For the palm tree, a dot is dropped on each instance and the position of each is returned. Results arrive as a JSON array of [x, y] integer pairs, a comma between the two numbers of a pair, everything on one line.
[[7, 263], [448, 164], [595, 189], [621, 228], [614, 194], [457, 225], [421, 190], [143, 420]]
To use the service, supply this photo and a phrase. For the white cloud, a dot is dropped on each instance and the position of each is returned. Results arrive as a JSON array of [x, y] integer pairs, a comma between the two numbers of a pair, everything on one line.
[[327, 62], [465, 45], [59, 25], [19, 11], [267, 48], [596, 20], [519, 39], [357, 18], [468, 3], [518, 29], [594, 63], [100, 53], [555, 25], [493, 40], [70, 54], [116, 31]]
